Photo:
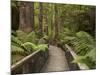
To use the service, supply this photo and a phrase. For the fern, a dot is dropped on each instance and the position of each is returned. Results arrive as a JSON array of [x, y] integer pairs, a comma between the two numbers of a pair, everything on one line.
[[92, 54], [24, 44], [15, 41], [27, 37], [42, 41], [89, 59], [17, 50], [83, 44], [42, 47], [21, 36], [83, 35], [30, 47], [32, 37], [66, 36]]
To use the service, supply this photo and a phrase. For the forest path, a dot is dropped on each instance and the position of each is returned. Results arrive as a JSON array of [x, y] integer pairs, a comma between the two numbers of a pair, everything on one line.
[[56, 61]]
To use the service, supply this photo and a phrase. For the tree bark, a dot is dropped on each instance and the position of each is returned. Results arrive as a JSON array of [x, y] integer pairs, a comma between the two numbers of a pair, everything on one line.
[[14, 17], [56, 21], [26, 16], [41, 19]]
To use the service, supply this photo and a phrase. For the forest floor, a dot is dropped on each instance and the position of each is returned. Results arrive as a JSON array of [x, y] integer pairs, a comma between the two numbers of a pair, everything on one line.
[[56, 61]]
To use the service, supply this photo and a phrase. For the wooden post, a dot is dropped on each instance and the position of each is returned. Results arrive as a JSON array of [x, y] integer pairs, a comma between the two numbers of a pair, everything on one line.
[[26, 68]]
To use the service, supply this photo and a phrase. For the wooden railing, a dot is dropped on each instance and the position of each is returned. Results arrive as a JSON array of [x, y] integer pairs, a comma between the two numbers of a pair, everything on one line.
[[31, 63], [73, 55]]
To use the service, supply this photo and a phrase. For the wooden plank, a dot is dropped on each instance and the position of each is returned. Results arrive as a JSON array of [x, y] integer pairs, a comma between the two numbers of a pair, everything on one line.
[[24, 60], [82, 66]]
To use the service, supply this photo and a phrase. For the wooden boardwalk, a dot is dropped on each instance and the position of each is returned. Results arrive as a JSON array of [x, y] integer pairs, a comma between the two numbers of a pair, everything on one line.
[[56, 61]]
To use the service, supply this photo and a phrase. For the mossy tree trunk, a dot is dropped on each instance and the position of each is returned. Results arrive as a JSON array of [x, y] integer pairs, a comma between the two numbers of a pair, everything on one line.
[[56, 22], [41, 19]]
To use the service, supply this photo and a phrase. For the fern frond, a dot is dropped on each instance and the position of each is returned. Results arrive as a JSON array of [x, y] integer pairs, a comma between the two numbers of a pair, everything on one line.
[[42, 47], [17, 50], [85, 36], [92, 54], [31, 37], [84, 46], [30, 47], [15, 41], [21, 35]]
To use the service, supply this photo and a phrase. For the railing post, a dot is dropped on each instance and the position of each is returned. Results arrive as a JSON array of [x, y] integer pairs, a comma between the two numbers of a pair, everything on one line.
[[25, 68]]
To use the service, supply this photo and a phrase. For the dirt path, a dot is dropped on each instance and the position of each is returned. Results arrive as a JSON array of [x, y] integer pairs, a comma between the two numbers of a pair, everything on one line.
[[56, 61]]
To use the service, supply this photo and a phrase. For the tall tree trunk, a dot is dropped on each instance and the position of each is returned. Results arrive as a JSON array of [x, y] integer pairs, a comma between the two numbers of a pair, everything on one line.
[[41, 19], [26, 16], [14, 16], [46, 25], [56, 21]]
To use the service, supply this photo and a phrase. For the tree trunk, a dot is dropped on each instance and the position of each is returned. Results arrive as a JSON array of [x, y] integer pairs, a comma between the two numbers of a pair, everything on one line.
[[26, 16], [56, 21], [41, 19], [15, 16]]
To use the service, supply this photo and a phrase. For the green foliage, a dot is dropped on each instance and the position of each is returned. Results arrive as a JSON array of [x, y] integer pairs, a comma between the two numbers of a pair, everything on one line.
[[17, 50], [42, 47], [85, 36], [44, 40], [89, 59], [24, 44], [32, 37], [21, 35], [66, 36], [84, 46], [15, 41], [83, 43], [29, 47], [27, 37]]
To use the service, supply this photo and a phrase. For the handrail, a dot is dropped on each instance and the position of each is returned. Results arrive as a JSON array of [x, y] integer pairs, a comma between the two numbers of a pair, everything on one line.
[[82, 66], [21, 62]]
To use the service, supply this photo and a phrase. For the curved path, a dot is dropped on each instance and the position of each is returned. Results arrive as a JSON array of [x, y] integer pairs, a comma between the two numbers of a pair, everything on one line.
[[56, 61]]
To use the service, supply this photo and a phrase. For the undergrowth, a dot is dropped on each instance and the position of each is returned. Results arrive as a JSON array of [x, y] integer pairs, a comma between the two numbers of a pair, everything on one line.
[[83, 44]]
